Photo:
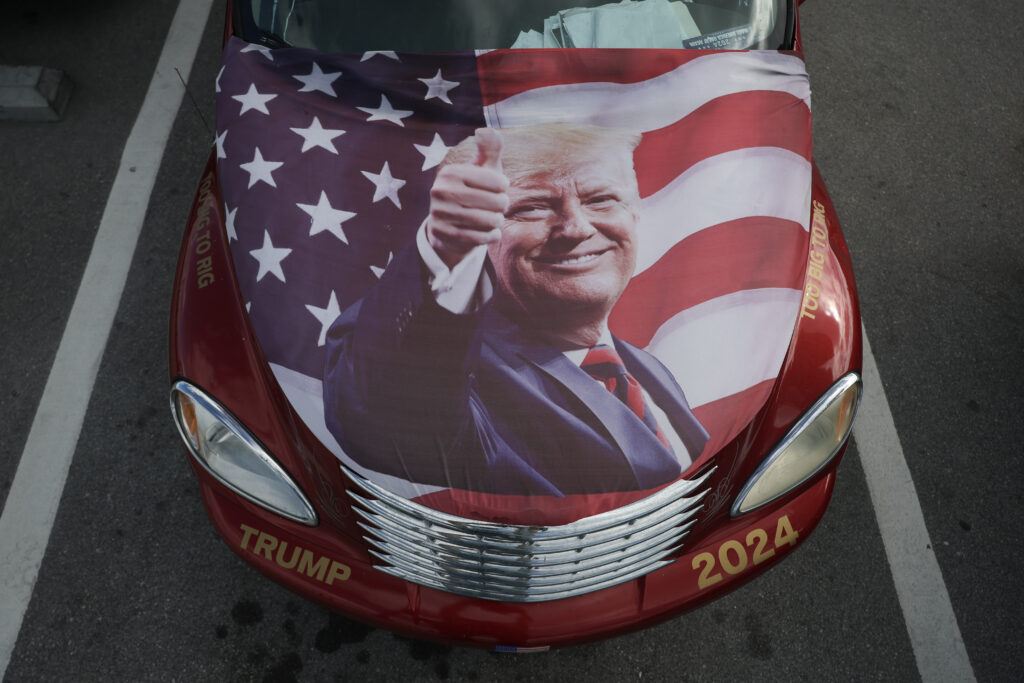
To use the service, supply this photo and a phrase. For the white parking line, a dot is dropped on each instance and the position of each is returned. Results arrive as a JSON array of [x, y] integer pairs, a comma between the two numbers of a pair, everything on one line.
[[35, 493], [934, 633]]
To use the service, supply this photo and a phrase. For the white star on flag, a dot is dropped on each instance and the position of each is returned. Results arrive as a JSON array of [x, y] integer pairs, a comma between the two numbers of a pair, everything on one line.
[[318, 80], [326, 316], [325, 218], [254, 100], [216, 83], [387, 53], [434, 153], [385, 185], [229, 222], [265, 51], [219, 141], [269, 258], [385, 112], [260, 169], [438, 87], [318, 136], [379, 270]]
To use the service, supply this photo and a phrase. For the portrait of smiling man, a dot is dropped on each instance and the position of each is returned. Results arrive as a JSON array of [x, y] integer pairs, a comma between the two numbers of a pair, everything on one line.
[[482, 360]]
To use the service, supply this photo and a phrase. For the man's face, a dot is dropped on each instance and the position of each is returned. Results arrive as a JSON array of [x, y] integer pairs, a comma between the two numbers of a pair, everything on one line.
[[569, 239]]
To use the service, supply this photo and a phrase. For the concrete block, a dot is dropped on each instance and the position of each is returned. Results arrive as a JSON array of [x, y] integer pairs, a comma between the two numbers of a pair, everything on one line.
[[33, 93]]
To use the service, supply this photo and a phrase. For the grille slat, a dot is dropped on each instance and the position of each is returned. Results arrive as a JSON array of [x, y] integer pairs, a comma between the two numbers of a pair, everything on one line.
[[376, 512], [524, 563], [390, 544], [510, 597], [521, 591], [387, 530], [526, 582]]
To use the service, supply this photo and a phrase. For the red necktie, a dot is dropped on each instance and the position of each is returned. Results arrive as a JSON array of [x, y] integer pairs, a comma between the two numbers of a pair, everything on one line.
[[604, 364]]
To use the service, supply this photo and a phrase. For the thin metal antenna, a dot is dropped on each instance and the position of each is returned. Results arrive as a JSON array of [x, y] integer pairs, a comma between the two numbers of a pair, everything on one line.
[[194, 103]]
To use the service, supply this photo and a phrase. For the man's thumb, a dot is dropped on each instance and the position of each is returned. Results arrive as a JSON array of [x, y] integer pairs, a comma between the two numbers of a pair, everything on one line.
[[488, 145]]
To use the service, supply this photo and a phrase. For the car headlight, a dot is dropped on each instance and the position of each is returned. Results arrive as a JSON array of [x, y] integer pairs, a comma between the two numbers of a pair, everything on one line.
[[808, 447], [229, 452]]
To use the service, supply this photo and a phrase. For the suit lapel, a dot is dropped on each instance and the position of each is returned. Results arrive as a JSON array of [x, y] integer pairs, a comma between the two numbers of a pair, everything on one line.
[[654, 379]]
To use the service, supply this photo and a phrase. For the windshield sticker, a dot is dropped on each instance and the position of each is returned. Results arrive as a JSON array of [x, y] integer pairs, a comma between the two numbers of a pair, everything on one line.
[[525, 286], [720, 40]]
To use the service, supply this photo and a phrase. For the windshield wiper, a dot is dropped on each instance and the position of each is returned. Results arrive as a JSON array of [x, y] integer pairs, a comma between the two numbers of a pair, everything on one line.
[[271, 39]]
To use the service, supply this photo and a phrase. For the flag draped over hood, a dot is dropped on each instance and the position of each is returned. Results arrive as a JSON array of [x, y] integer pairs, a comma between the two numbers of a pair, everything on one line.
[[326, 161]]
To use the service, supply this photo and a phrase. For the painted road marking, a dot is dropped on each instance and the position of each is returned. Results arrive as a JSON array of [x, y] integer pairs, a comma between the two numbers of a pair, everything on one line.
[[35, 493], [934, 634]]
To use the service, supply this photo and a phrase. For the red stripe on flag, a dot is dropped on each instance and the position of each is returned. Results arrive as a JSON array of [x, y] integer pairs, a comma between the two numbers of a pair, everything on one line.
[[757, 118], [504, 73], [748, 253], [728, 416]]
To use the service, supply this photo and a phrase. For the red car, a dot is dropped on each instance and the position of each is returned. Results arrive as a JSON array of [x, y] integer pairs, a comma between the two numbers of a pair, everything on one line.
[[522, 346]]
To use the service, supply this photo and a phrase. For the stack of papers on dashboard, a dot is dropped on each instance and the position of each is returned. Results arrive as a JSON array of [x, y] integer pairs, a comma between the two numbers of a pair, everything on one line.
[[641, 23]]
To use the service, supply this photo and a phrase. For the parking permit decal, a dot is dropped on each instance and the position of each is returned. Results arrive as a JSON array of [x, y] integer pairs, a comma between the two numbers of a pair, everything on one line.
[[294, 558]]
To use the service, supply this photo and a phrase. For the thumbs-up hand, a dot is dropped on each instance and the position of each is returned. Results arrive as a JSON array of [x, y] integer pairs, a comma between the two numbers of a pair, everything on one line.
[[468, 201], [488, 147]]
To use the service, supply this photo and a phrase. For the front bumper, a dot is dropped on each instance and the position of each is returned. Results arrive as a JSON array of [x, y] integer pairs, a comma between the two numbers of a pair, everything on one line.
[[339, 574]]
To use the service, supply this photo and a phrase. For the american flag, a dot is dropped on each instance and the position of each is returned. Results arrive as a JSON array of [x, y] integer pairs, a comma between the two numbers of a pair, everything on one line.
[[326, 162]]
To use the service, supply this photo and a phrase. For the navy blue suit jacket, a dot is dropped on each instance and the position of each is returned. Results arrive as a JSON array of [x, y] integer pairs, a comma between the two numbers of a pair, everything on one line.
[[475, 402]]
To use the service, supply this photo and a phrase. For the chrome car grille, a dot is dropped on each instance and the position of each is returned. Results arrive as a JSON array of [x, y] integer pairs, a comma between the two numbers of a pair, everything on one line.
[[524, 563]]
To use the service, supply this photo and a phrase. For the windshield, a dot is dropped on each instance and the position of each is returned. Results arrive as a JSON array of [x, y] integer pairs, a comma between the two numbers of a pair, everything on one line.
[[450, 25]]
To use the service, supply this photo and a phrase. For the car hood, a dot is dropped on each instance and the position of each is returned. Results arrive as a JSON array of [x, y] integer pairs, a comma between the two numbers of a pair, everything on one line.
[[326, 163]]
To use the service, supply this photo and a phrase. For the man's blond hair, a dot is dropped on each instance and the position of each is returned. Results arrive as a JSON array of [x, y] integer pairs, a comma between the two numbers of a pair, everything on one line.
[[550, 148]]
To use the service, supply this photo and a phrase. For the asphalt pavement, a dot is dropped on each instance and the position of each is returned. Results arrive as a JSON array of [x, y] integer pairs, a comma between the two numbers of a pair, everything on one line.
[[919, 131]]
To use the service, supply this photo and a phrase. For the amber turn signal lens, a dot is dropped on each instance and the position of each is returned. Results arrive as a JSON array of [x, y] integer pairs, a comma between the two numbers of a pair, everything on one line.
[[189, 421]]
